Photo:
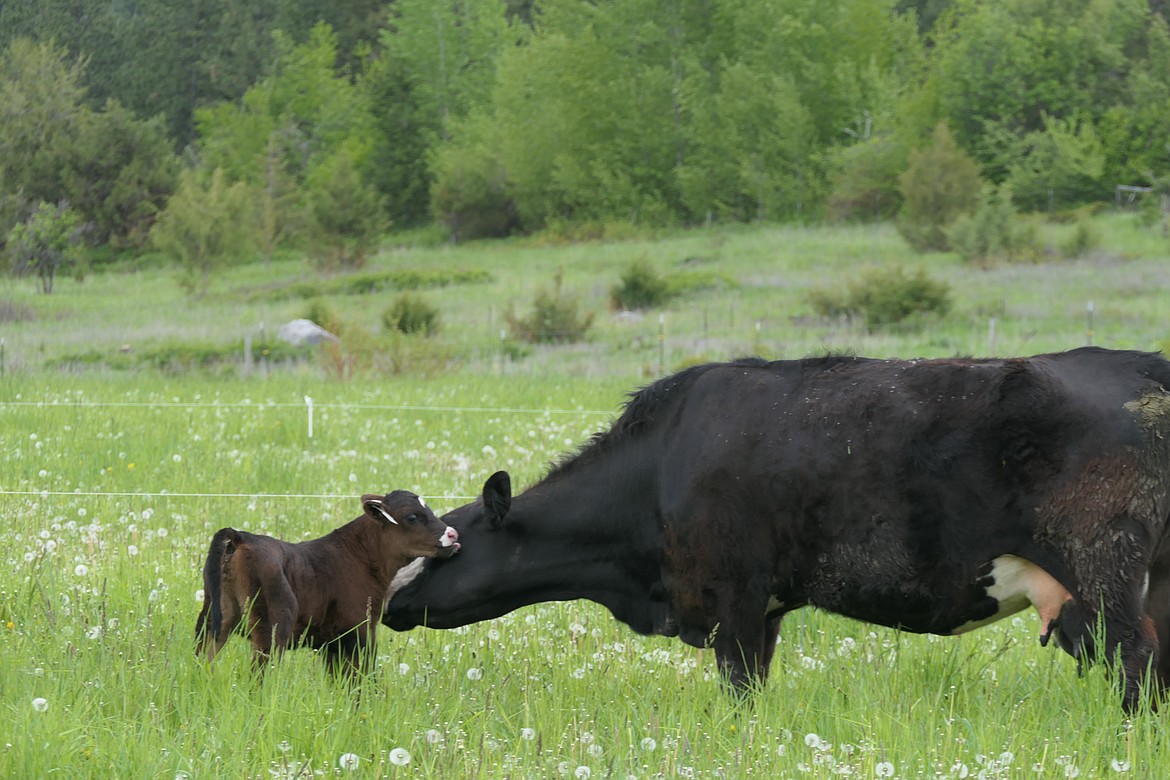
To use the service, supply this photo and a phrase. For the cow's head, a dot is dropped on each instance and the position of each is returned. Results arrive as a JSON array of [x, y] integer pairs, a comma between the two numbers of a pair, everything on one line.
[[444, 594], [409, 526]]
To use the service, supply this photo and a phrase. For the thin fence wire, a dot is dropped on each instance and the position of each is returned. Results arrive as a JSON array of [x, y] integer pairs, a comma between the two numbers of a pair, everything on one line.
[[295, 405], [167, 494]]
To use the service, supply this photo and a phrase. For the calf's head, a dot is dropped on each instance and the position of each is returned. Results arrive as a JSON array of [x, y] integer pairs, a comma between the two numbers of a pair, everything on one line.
[[410, 526]]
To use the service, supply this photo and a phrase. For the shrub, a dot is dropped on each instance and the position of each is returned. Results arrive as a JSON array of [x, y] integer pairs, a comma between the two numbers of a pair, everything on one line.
[[940, 184], [555, 318], [993, 231], [345, 216], [469, 194], [206, 226], [46, 242], [864, 183], [1084, 239], [884, 296], [410, 313], [641, 287]]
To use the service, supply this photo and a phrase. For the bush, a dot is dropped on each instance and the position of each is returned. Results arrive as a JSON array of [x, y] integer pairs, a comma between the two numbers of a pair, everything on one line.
[[555, 318], [345, 216], [410, 313], [641, 287], [206, 226], [864, 184], [1084, 239], [46, 242], [993, 231], [884, 296], [469, 194], [940, 184]]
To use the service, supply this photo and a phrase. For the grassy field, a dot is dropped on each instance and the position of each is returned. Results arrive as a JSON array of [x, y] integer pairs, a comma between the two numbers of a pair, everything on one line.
[[113, 483]]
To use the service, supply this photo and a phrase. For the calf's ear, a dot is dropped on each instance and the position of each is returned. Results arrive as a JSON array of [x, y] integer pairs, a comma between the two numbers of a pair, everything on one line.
[[373, 506], [497, 497]]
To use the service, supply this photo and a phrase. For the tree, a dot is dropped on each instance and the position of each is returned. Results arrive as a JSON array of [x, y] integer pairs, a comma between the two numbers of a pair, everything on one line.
[[345, 216], [206, 225], [940, 183], [46, 242], [119, 173], [1058, 166]]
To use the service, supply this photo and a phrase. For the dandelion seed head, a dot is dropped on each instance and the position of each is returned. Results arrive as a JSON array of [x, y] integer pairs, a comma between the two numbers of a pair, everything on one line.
[[1118, 765], [884, 769], [433, 736], [474, 673], [348, 761], [40, 704], [399, 756], [81, 570], [582, 773], [528, 734], [649, 743]]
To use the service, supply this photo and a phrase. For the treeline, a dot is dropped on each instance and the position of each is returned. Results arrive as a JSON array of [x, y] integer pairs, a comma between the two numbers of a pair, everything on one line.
[[335, 121]]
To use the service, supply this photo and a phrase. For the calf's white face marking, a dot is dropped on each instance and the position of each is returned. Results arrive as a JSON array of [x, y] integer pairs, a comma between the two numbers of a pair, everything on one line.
[[1016, 583]]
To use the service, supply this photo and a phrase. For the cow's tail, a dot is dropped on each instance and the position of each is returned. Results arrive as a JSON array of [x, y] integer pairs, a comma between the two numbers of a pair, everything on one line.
[[210, 621]]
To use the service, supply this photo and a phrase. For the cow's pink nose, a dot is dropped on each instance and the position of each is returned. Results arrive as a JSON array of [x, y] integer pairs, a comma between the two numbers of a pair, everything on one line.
[[448, 538], [451, 534]]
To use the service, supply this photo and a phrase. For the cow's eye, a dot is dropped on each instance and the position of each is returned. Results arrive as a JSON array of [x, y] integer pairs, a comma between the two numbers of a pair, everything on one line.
[[412, 519]]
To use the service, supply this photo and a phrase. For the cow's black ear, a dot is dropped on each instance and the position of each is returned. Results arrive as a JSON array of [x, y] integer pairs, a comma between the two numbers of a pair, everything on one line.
[[497, 497]]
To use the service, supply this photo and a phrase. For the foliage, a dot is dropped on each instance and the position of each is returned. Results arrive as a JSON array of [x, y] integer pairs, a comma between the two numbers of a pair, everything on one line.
[[411, 313], [864, 181], [1086, 237], [469, 195], [640, 287], [1058, 166], [370, 282], [345, 216], [206, 226], [114, 169], [884, 296], [555, 317], [993, 230], [940, 184], [119, 174], [46, 242]]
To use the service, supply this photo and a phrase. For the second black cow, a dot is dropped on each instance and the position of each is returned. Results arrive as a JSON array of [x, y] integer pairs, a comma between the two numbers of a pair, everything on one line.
[[928, 495]]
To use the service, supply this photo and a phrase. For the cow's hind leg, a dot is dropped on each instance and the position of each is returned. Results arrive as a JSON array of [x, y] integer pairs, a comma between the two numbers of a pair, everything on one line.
[[273, 618]]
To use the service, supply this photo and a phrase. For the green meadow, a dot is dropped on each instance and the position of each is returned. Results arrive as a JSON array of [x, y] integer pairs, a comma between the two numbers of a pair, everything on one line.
[[115, 471]]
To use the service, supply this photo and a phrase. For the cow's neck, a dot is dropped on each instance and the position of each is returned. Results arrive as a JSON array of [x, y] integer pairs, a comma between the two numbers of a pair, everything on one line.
[[366, 543], [594, 533]]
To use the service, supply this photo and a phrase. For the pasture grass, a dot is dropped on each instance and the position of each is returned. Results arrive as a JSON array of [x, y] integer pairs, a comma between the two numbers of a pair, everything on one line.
[[112, 493], [113, 483]]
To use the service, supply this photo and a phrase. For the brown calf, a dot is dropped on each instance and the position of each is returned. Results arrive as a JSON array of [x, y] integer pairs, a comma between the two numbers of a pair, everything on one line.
[[326, 593]]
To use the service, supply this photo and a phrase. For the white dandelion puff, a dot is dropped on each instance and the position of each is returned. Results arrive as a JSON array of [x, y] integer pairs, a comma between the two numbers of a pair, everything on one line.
[[648, 744], [399, 757], [40, 704], [474, 673], [884, 769], [528, 734], [582, 773], [1119, 766], [348, 761]]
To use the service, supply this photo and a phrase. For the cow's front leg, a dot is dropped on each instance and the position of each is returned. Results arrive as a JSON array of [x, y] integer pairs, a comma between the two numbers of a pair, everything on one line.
[[744, 640], [1122, 635]]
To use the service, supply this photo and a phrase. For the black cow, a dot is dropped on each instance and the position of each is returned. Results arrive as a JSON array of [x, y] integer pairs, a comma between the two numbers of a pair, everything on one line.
[[933, 496]]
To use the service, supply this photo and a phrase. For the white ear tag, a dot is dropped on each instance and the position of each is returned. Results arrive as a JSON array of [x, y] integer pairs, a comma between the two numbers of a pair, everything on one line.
[[385, 514]]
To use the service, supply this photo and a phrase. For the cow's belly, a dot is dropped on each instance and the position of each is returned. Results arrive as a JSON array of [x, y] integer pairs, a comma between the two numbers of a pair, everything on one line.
[[1005, 586]]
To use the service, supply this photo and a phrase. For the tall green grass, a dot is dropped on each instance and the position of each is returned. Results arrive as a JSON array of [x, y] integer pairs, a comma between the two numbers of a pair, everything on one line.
[[112, 492], [761, 303], [113, 483]]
